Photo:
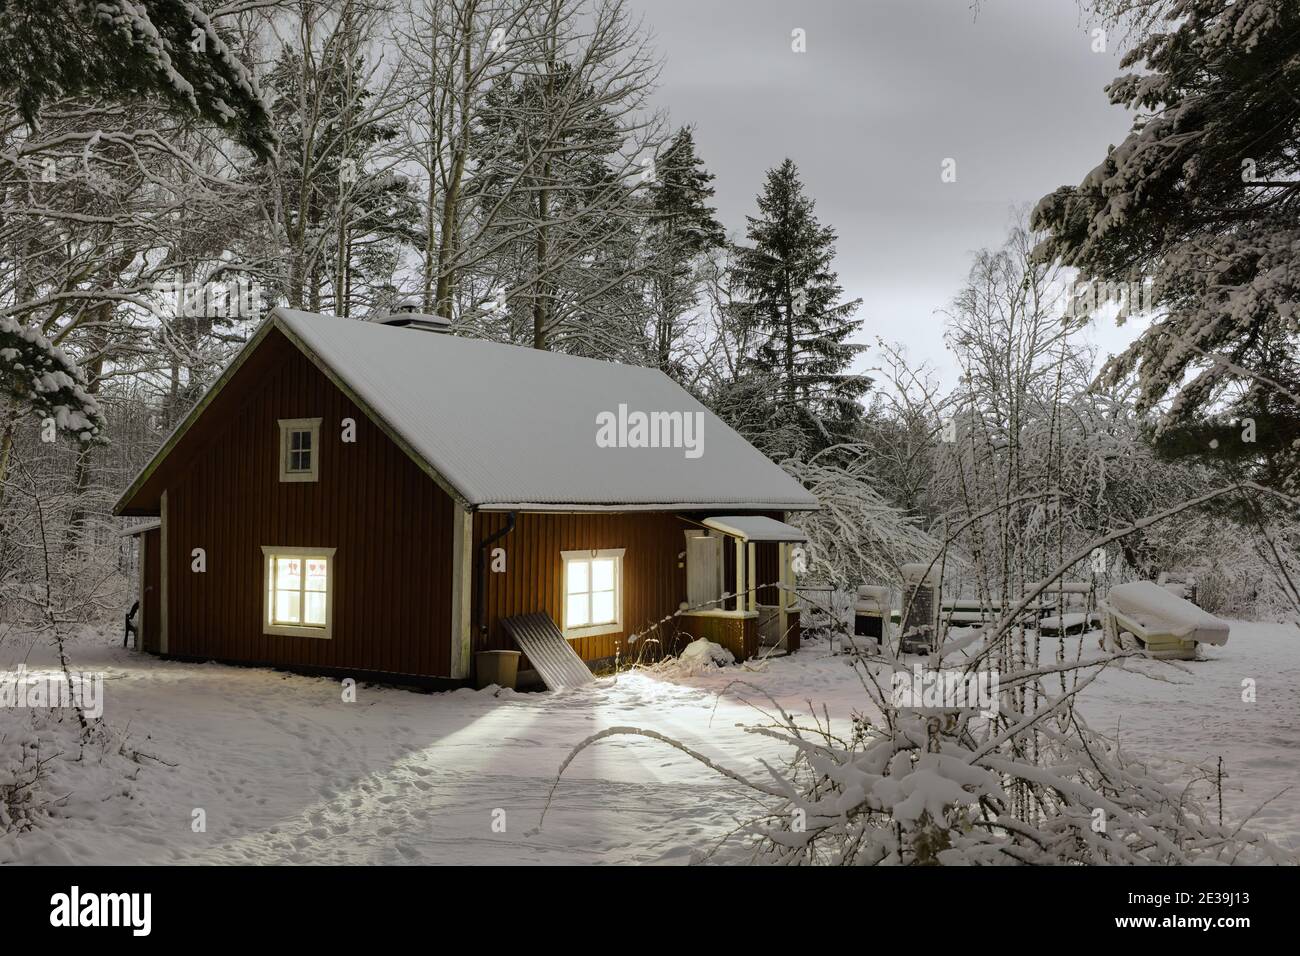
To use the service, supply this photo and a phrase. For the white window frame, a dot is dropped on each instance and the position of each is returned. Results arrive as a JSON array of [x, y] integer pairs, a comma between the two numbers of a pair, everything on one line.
[[592, 630], [269, 554], [287, 428]]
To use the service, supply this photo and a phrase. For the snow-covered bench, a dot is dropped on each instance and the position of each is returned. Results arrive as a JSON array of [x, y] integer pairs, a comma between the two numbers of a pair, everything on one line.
[[1068, 604], [1165, 625], [1071, 622]]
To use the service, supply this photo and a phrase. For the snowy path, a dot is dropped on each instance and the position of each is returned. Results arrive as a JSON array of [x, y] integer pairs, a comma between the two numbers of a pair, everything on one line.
[[288, 772]]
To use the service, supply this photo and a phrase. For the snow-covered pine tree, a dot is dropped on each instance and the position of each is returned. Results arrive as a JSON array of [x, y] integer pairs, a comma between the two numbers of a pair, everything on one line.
[[1201, 198], [130, 50], [682, 230], [44, 379], [789, 294]]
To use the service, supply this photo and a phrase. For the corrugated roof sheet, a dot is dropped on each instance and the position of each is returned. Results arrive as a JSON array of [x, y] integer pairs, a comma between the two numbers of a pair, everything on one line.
[[553, 657], [511, 426]]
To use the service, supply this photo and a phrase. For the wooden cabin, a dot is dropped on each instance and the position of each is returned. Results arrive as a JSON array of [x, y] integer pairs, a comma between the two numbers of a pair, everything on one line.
[[374, 499]]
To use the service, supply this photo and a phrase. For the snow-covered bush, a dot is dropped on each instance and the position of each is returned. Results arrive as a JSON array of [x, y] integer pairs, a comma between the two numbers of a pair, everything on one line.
[[949, 788], [700, 656], [52, 767], [23, 768]]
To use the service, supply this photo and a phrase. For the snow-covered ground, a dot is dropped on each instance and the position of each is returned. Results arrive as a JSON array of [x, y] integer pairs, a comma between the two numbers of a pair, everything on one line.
[[286, 771], [1193, 713]]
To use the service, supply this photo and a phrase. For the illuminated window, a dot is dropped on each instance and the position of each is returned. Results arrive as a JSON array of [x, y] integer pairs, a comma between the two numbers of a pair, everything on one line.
[[299, 591], [593, 592], [299, 449]]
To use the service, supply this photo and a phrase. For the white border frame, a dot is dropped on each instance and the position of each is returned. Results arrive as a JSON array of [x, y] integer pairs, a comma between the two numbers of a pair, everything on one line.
[[593, 630], [298, 630], [287, 427]]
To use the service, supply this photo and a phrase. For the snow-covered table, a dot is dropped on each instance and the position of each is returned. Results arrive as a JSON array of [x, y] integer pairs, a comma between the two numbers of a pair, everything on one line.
[[1165, 624]]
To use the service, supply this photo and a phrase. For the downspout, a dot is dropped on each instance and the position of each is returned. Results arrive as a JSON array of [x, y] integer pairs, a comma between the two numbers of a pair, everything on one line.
[[480, 597]]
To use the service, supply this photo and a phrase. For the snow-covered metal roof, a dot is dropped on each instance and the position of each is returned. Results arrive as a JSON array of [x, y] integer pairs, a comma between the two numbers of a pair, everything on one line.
[[511, 427], [755, 528]]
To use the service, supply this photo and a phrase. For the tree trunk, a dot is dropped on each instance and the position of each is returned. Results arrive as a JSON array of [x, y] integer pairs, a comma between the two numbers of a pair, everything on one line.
[[10, 419], [450, 225], [540, 285], [85, 471]]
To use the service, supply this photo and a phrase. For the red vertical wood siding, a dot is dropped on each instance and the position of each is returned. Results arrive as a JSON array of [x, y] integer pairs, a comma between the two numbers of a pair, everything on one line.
[[390, 524], [654, 574]]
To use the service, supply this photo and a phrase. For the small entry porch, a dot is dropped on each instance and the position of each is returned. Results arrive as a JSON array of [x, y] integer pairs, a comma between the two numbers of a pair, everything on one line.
[[755, 553]]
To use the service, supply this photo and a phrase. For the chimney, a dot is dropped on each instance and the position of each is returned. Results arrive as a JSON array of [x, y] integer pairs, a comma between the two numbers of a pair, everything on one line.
[[407, 315]]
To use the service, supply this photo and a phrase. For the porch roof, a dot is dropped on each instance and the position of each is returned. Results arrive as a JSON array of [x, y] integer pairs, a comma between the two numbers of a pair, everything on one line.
[[755, 528], [140, 528]]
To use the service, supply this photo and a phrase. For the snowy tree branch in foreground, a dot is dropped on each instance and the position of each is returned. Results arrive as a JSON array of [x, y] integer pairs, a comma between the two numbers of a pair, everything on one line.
[[167, 49]]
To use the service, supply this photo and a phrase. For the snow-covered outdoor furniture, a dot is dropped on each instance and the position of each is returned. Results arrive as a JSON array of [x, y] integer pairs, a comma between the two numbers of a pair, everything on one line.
[[131, 627], [1067, 607], [918, 627], [962, 612], [870, 609], [1165, 625], [1071, 622]]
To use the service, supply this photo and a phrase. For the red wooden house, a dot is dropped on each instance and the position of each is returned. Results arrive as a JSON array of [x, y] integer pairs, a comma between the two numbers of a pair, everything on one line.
[[375, 498]]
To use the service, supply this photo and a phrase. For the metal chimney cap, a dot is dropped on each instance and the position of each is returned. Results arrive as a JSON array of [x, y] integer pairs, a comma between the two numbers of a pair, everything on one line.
[[407, 315]]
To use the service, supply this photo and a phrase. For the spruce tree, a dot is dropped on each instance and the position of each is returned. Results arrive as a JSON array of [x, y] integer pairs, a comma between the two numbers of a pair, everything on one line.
[[790, 296], [345, 224], [682, 229]]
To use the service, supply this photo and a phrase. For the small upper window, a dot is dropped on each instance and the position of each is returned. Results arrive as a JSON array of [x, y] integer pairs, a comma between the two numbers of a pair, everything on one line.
[[593, 592], [299, 449]]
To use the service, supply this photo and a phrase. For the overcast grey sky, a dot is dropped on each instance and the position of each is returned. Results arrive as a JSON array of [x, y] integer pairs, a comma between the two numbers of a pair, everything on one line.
[[886, 90]]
